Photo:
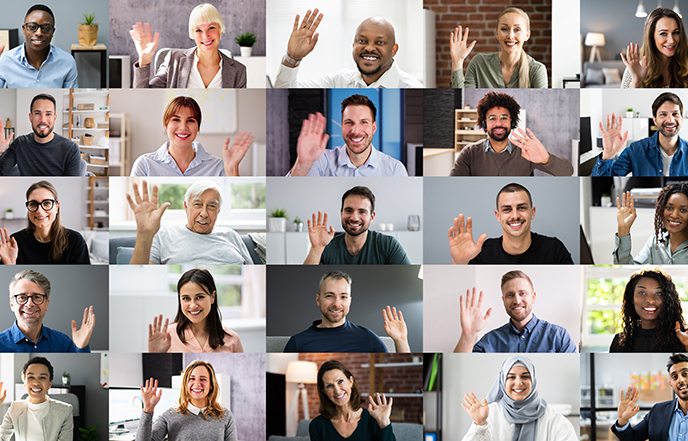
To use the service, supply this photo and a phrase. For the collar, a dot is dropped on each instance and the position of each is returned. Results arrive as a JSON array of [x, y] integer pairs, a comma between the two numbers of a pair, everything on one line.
[[682, 144], [22, 55], [163, 154], [195, 59], [528, 328], [195, 410], [344, 161], [318, 322], [17, 334], [388, 80], [488, 146]]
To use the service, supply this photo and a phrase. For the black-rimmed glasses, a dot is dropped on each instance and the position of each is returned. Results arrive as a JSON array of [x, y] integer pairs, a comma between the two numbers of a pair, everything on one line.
[[45, 28], [37, 299], [46, 204]]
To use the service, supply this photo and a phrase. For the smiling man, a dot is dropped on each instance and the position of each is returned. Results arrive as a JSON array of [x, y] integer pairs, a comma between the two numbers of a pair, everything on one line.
[[37, 63], [43, 152], [29, 299], [517, 245], [666, 420], [196, 242], [358, 157], [523, 333], [357, 245], [334, 333], [374, 49], [663, 154]]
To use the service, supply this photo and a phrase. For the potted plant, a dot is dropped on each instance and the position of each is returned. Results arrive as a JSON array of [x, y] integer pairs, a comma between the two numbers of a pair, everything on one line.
[[278, 220], [298, 224], [89, 434], [9, 214], [88, 30], [629, 112], [246, 42], [65, 378]]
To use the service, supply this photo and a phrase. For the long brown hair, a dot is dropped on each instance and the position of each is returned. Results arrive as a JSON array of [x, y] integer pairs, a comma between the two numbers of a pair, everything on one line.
[[678, 64], [524, 62], [327, 407], [214, 408], [58, 234]]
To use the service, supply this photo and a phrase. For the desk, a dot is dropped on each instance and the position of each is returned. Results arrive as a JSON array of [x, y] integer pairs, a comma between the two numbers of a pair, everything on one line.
[[100, 49], [567, 80]]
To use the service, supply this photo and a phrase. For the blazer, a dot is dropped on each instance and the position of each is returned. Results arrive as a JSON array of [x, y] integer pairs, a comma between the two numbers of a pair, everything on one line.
[[174, 72], [58, 424], [654, 427]]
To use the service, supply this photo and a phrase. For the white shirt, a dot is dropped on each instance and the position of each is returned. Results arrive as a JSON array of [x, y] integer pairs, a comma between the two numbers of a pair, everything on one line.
[[34, 425], [394, 78], [195, 80], [666, 161]]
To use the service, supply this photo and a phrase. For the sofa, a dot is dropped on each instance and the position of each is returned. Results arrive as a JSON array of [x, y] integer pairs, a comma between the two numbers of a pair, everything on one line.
[[602, 74], [402, 432]]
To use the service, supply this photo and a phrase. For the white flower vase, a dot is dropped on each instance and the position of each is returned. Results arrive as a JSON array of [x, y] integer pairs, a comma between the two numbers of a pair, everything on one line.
[[629, 114], [245, 51], [277, 224]]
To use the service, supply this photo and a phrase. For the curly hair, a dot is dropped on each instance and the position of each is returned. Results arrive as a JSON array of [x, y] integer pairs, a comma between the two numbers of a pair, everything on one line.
[[665, 335], [662, 199], [678, 64], [327, 407], [498, 99]]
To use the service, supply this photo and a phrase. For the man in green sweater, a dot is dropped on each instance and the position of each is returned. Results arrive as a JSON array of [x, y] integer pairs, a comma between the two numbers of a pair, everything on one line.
[[499, 155]]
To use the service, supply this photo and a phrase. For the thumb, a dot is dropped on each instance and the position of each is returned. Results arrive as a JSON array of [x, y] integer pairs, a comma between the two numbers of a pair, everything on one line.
[[226, 143], [74, 326], [315, 38], [163, 207], [2, 48], [488, 314], [481, 240], [643, 62]]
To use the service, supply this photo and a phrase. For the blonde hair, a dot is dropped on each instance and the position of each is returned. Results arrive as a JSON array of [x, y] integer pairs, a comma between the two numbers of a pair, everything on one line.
[[205, 13], [214, 409], [524, 62]]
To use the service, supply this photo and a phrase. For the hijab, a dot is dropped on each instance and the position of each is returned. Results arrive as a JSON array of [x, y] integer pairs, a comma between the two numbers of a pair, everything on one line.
[[522, 414]]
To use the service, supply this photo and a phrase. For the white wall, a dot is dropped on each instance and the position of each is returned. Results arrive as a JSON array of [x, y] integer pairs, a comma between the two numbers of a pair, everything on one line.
[[126, 369], [565, 47]]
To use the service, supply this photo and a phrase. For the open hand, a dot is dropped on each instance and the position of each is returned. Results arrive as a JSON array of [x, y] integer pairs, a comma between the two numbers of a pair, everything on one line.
[[613, 141], [232, 156], [158, 338], [627, 407], [461, 245], [625, 213], [637, 66], [311, 143], [380, 409], [317, 231], [82, 336], [472, 320], [395, 327], [146, 209], [150, 395], [476, 410], [459, 48], [9, 250], [4, 142], [145, 41], [303, 38], [4, 394], [682, 335], [2, 48], [531, 147]]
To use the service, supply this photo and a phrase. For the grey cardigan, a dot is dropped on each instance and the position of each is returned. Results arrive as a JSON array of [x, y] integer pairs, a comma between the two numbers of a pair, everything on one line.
[[58, 425], [174, 72]]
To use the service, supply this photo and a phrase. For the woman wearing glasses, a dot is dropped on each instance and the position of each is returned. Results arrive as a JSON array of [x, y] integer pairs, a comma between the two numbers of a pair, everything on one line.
[[44, 240]]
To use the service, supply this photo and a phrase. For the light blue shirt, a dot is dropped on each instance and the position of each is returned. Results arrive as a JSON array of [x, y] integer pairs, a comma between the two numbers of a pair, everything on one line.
[[488, 146], [58, 71], [679, 425], [336, 162], [161, 163]]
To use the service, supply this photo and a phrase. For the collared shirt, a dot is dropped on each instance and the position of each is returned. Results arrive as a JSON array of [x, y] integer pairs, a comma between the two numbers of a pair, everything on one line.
[[161, 163], [394, 78], [14, 340], [488, 146], [336, 162], [650, 254], [679, 425], [644, 158], [58, 71], [537, 336], [196, 81]]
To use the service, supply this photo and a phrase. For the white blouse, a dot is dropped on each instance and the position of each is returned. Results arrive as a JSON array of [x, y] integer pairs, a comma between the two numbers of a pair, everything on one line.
[[195, 80]]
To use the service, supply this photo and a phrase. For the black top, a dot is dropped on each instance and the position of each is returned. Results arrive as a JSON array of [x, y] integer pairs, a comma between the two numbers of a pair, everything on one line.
[[643, 341], [34, 252], [322, 429], [543, 250], [58, 157]]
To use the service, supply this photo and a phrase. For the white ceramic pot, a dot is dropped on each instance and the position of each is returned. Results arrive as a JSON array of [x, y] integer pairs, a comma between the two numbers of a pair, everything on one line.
[[277, 224], [246, 51]]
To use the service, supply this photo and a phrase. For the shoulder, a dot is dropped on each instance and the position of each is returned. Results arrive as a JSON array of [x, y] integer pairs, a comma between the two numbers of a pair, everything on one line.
[[536, 65], [59, 406], [231, 63], [59, 139], [74, 236], [546, 240], [482, 59]]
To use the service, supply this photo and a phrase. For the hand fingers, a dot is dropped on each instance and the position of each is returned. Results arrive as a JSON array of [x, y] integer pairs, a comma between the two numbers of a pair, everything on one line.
[[144, 191], [325, 219], [296, 22], [85, 320], [319, 218], [469, 226], [487, 314], [385, 317], [474, 297], [481, 240], [164, 328], [462, 224], [316, 24]]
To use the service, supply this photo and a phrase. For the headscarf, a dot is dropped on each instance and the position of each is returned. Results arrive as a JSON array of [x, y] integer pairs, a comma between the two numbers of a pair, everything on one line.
[[524, 414]]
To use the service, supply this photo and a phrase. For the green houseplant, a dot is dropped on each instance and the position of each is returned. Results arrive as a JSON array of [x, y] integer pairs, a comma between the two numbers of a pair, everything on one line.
[[278, 220], [88, 30], [246, 42], [298, 224]]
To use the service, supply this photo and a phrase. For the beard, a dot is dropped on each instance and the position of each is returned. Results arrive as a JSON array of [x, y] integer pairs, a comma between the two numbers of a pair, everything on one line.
[[42, 134], [500, 138], [351, 232]]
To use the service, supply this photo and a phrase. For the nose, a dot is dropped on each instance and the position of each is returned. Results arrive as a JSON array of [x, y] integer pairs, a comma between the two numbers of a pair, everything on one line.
[[30, 302]]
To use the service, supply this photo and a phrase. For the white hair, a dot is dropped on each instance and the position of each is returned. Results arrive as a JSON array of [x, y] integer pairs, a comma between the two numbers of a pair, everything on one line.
[[199, 187]]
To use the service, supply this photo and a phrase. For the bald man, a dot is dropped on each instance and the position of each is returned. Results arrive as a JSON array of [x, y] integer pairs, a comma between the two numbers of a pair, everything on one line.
[[374, 48]]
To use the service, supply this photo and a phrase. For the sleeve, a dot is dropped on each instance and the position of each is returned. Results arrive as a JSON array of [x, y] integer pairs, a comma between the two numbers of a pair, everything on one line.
[[140, 167], [376, 344], [457, 80], [286, 78], [566, 344], [85, 350], [3, 59], [471, 81], [146, 431], [67, 429], [614, 347], [240, 82], [73, 160], [396, 255], [71, 78], [8, 159], [315, 430], [556, 167], [633, 433], [602, 167], [622, 251], [230, 428], [563, 256], [626, 80], [155, 252], [479, 433], [291, 346], [400, 170], [239, 346], [482, 346], [462, 165], [7, 427], [141, 75], [538, 77], [79, 250], [386, 434], [562, 430]]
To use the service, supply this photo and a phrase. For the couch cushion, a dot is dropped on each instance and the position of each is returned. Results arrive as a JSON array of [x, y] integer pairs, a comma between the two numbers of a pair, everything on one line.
[[594, 76], [611, 75], [124, 255]]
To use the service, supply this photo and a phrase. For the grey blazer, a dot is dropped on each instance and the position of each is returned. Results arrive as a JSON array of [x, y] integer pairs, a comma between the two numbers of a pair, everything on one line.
[[174, 72], [58, 425]]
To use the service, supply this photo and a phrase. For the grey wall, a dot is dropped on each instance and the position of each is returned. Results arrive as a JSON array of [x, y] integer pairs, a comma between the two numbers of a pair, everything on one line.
[[291, 293], [277, 134], [617, 21], [248, 389], [555, 200], [73, 288], [438, 117]]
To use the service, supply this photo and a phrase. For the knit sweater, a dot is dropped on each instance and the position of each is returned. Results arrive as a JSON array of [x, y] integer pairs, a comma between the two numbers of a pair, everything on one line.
[[189, 427]]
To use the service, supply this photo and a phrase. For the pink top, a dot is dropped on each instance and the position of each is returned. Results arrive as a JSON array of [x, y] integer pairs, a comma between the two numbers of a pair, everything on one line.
[[232, 342]]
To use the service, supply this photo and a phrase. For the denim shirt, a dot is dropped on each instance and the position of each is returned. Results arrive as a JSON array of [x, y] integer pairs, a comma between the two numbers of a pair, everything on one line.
[[14, 340], [58, 71], [644, 158], [537, 336]]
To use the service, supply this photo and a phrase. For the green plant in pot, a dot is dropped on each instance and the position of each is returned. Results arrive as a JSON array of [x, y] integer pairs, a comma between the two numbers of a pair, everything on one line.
[[278, 220], [90, 434], [246, 42], [9, 214], [88, 30], [298, 224], [65, 378]]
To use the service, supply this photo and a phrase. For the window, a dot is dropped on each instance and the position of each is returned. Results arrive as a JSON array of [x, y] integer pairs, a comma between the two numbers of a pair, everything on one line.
[[228, 281]]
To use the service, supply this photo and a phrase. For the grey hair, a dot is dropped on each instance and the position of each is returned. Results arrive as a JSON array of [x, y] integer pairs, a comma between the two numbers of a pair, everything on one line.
[[32, 276], [334, 275], [199, 187]]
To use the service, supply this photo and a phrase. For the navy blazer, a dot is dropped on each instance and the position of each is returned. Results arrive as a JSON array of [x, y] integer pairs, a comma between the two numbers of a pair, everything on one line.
[[654, 427]]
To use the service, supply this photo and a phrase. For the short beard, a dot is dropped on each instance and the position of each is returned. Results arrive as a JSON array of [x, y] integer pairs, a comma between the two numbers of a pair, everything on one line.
[[50, 130], [356, 233], [506, 135], [661, 130]]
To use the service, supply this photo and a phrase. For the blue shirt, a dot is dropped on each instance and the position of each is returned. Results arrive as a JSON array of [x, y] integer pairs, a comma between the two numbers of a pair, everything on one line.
[[58, 71], [14, 340], [644, 158], [537, 336], [161, 163], [679, 424], [348, 337], [336, 162]]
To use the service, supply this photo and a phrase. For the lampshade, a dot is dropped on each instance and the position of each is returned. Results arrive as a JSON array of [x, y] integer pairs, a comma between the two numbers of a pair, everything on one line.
[[640, 11], [302, 372], [594, 39], [677, 10]]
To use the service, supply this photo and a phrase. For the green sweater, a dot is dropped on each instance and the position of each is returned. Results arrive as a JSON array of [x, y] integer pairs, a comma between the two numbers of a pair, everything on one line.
[[485, 72], [379, 249]]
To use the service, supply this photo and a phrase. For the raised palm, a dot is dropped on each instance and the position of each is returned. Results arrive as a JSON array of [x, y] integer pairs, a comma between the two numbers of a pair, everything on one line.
[[9, 250], [150, 395], [461, 244], [4, 394], [232, 156], [394, 323], [317, 231], [627, 407], [4, 141], [303, 37], [613, 139], [472, 320], [636, 65], [146, 210], [145, 41], [476, 410], [682, 335], [158, 338], [311, 143], [82, 336], [625, 213], [459, 47], [531, 147], [380, 409]]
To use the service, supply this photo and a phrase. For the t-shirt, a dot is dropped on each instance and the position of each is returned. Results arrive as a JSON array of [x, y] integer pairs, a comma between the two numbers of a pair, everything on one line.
[[176, 244], [348, 337], [58, 157], [543, 250], [34, 252], [379, 249], [322, 429]]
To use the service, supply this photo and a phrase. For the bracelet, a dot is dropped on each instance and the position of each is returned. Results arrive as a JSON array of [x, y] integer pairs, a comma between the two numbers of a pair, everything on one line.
[[290, 60]]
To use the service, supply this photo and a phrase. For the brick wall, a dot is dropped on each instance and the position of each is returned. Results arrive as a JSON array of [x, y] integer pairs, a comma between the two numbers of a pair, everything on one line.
[[403, 379], [481, 17]]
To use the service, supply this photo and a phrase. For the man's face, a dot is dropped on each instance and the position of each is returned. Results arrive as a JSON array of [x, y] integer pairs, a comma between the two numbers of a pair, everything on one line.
[[668, 119], [678, 379], [37, 382], [498, 123], [514, 213], [38, 41], [374, 47], [202, 211], [518, 297], [29, 314], [356, 215], [358, 129], [334, 301], [42, 118]]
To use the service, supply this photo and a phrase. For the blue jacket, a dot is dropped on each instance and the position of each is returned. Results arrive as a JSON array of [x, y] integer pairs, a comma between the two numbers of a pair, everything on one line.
[[655, 425], [643, 158]]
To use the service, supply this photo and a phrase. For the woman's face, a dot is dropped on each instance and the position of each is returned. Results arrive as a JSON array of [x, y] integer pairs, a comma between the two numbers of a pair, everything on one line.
[[207, 36], [648, 301], [512, 32], [667, 35], [676, 213], [182, 128], [196, 302], [199, 386], [337, 387], [518, 383], [42, 218]]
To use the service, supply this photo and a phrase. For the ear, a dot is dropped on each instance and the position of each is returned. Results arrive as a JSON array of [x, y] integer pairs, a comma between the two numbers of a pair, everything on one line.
[[395, 49], [534, 295], [527, 36], [214, 294], [374, 127], [497, 215], [372, 216], [533, 213], [185, 207], [317, 299]]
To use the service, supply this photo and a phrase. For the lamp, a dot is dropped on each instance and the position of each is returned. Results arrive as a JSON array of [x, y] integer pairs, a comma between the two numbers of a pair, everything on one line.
[[677, 10], [594, 39], [640, 11], [302, 373]]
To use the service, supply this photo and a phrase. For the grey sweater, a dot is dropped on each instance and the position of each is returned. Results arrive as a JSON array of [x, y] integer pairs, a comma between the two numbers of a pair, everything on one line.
[[59, 157], [189, 427]]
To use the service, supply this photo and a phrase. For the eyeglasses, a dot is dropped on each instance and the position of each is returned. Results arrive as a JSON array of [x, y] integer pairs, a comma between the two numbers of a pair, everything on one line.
[[46, 204], [503, 117], [38, 299], [45, 28]]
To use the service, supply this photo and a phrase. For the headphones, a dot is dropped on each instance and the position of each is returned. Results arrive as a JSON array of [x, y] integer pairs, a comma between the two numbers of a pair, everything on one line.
[[514, 124]]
